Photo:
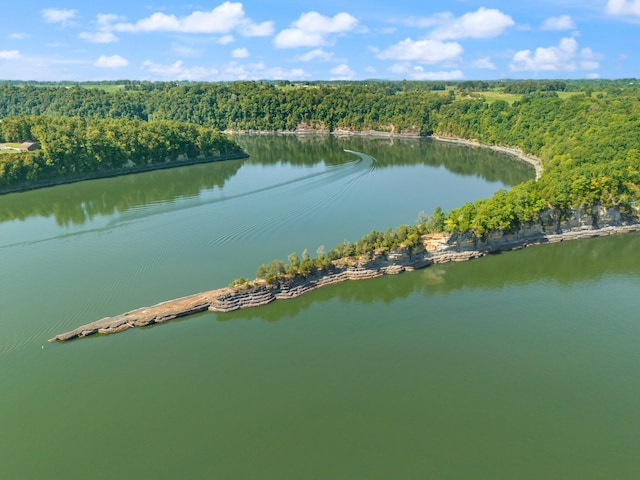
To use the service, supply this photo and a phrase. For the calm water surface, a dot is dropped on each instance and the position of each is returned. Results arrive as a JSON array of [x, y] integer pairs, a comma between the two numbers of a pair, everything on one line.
[[518, 365]]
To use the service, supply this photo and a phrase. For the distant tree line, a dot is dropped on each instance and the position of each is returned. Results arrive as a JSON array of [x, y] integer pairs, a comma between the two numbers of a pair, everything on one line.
[[589, 144], [72, 146]]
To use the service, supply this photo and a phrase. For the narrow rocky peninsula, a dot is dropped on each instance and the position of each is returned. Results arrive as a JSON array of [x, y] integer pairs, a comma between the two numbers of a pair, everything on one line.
[[433, 248]]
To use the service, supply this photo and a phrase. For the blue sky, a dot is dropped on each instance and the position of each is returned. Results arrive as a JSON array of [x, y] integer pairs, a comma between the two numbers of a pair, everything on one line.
[[319, 40]]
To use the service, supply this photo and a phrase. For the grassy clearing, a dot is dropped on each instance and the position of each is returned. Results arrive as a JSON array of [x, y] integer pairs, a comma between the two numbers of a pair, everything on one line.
[[492, 96], [10, 150], [106, 88]]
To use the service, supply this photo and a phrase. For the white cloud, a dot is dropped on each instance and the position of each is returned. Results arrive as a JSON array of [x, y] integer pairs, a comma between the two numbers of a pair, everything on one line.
[[342, 72], [59, 15], [425, 51], [312, 29], [18, 36], [229, 72], [563, 22], [185, 51], [484, 63], [484, 23], [224, 18], [114, 61], [370, 69], [226, 39], [240, 53], [9, 54], [98, 37], [315, 22], [263, 29], [317, 54], [623, 7], [589, 65], [278, 73], [429, 22], [178, 71], [419, 74], [564, 57], [104, 33], [293, 37]]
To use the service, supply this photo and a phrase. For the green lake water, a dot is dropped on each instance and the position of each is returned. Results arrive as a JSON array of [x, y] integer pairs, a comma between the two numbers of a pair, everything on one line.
[[522, 365]]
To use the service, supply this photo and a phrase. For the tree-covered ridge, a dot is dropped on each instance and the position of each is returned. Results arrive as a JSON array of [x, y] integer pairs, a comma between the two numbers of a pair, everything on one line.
[[74, 146], [237, 106], [590, 147], [587, 137]]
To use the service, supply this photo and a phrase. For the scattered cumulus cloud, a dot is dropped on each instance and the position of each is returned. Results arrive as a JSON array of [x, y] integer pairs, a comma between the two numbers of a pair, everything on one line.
[[425, 51], [98, 37], [104, 29], [229, 72], [420, 74], [316, 54], [484, 63], [9, 54], [483, 23], [342, 72], [179, 71], [18, 36], [623, 7], [62, 16], [114, 61], [224, 18], [240, 53], [429, 22], [563, 57], [185, 51], [563, 22], [226, 39], [417, 72], [312, 30]]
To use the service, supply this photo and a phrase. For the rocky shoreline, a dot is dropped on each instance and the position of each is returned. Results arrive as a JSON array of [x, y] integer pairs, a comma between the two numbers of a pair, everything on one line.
[[434, 248]]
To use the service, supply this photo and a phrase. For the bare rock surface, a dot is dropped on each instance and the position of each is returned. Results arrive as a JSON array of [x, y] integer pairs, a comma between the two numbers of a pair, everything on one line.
[[435, 248]]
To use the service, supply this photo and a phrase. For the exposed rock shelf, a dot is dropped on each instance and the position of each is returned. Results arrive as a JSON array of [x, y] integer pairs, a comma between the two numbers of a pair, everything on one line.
[[436, 248]]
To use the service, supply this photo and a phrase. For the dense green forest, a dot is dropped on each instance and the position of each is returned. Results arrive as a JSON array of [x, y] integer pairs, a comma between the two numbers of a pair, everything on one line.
[[587, 134], [73, 146]]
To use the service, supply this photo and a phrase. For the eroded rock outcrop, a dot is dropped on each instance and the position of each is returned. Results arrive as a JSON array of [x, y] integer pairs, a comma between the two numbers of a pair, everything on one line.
[[435, 248]]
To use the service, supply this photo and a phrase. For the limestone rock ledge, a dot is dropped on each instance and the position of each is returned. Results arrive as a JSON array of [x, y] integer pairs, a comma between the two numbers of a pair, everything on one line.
[[435, 248]]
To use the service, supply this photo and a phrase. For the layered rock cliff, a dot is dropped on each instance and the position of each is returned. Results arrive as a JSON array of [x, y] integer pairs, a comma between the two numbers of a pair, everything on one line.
[[551, 227]]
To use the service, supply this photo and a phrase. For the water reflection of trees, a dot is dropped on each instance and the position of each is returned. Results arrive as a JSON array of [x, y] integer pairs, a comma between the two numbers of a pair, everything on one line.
[[80, 202], [308, 150], [568, 263]]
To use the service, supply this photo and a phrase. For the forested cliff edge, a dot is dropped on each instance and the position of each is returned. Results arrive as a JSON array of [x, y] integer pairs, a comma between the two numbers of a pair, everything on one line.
[[585, 133]]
